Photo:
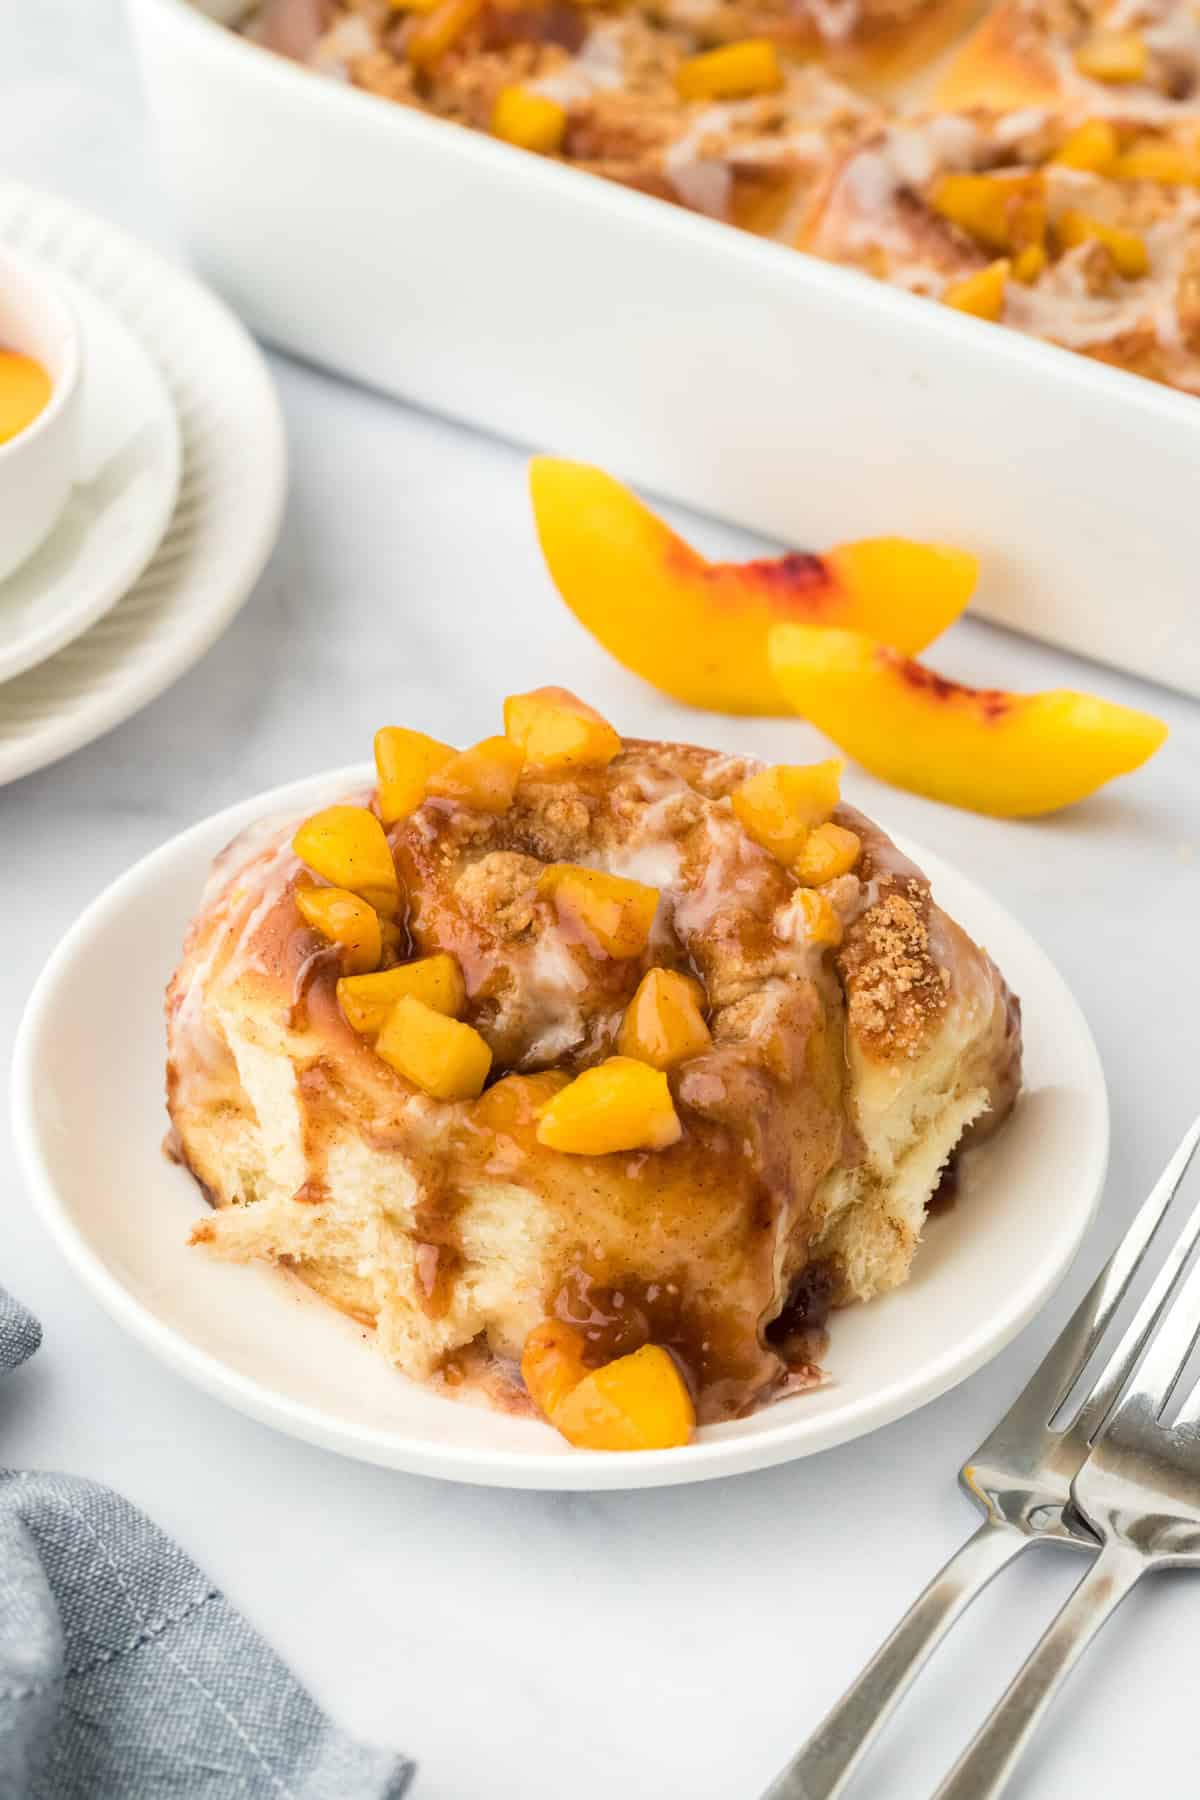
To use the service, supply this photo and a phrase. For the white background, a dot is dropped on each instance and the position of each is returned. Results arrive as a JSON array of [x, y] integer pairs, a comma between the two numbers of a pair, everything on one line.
[[667, 1643]]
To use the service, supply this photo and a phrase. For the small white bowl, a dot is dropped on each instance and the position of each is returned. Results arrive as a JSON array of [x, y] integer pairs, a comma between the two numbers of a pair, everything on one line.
[[38, 466]]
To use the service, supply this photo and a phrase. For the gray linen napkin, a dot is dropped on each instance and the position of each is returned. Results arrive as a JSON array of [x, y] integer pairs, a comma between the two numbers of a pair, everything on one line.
[[124, 1673]]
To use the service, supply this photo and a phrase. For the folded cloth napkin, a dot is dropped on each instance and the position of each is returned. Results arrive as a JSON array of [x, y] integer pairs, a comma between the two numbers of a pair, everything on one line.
[[125, 1675]]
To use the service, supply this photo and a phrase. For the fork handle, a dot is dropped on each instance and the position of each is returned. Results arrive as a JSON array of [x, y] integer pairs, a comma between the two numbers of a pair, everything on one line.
[[984, 1768], [822, 1767]]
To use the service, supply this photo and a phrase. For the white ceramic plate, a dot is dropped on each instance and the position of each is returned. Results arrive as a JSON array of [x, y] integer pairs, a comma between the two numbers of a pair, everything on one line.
[[230, 496], [125, 488], [90, 1123]]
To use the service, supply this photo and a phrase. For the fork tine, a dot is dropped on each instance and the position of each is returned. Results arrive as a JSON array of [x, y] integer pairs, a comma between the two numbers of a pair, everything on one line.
[[1117, 1369], [1067, 1358], [1154, 1379], [1189, 1412]]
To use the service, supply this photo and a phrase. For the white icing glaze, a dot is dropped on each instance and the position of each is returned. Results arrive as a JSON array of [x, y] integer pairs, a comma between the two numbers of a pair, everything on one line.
[[702, 182], [599, 63], [553, 986]]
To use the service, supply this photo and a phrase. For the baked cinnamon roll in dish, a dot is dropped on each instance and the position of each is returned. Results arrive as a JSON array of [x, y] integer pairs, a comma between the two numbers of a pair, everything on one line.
[[588, 1073], [1088, 58], [1070, 233], [634, 99], [775, 116]]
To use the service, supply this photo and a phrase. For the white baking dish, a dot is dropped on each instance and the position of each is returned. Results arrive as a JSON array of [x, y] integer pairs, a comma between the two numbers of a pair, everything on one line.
[[804, 401]]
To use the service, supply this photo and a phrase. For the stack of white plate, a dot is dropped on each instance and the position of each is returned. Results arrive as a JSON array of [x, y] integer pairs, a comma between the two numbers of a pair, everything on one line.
[[178, 498]]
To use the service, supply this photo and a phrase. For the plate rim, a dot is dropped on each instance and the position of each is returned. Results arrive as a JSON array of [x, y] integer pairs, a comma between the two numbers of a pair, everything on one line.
[[94, 716], [125, 571], [485, 1466]]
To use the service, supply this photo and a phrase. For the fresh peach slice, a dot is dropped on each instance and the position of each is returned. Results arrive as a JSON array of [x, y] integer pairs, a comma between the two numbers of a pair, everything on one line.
[[638, 1402], [1013, 755], [696, 629], [554, 729]]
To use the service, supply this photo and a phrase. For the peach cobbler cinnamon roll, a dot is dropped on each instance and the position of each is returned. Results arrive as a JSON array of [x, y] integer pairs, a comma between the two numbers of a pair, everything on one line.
[[1112, 58], [1086, 235], [588, 1073], [735, 131]]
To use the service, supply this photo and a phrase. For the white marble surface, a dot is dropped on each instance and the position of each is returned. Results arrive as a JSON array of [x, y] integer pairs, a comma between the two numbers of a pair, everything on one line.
[[534, 1647]]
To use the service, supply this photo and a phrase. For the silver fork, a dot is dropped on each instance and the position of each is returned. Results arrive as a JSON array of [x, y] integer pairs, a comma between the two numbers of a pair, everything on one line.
[[1139, 1491], [1021, 1476]]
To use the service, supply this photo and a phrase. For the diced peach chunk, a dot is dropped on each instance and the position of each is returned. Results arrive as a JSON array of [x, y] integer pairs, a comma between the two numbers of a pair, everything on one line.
[[664, 1023], [552, 1364], [980, 294], [1027, 265], [638, 1402], [1126, 248], [1002, 212], [822, 922], [345, 920], [346, 845], [621, 1104], [778, 807], [1116, 57], [531, 121], [441, 1056], [367, 1000], [515, 1102], [428, 41], [698, 629], [1150, 159], [749, 67], [827, 852], [614, 913], [1009, 754], [405, 760], [555, 730], [1093, 146], [483, 778]]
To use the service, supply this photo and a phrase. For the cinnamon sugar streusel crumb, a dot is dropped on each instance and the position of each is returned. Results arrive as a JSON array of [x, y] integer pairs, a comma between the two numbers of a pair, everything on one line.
[[894, 987], [501, 889]]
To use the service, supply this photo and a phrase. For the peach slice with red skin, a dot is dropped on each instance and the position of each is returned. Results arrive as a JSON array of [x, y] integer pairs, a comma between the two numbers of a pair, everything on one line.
[[1011, 755], [697, 629]]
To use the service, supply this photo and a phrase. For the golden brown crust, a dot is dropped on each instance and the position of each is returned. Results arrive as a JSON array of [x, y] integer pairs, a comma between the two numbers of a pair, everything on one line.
[[1004, 65], [895, 990], [1024, 53]]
